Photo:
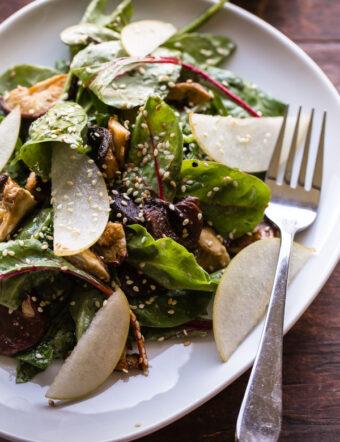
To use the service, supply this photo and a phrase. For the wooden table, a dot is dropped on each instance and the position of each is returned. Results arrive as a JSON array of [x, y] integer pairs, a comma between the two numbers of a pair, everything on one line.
[[311, 363]]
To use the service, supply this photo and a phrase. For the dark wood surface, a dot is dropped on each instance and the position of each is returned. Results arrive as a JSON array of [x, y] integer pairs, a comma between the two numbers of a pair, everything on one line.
[[311, 363]]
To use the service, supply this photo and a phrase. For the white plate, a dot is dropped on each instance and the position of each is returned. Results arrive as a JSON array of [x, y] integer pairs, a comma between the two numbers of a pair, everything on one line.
[[181, 378]]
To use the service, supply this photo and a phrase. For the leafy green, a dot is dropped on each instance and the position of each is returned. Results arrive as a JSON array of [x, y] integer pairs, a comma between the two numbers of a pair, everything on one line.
[[21, 256], [63, 123], [182, 331], [62, 66], [24, 75], [205, 16], [15, 168], [120, 84], [231, 200], [38, 224], [85, 33], [156, 128], [26, 372], [13, 291], [202, 49], [183, 307], [167, 262], [257, 99], [58, 340], [98, 54], [121, 16], [84, 306]]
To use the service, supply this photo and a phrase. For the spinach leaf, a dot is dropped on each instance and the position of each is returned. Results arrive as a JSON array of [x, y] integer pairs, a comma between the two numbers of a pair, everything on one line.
[[98, 54], [15, 168], [38, 224], [202, 49], [62, 66], [32, 356], [257, 99], [124, 83], [231, 200], [13, 291], [26, 372], [156, 148], [83, 34], [121, 16], [172, 309], [167, 262], [84, 306], [63, 123], [24, 75], [184, 331]]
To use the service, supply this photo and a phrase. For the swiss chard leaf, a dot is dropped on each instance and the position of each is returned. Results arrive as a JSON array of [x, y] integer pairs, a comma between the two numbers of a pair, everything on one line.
[[156, 148], [254, 97], [167, 262], [124, 83], [231, 200], [24, 75], [84, 306], [185, 331], [202, 49], [64, 123], [85, 33], [174, 308], [23, 256], [121, 16]]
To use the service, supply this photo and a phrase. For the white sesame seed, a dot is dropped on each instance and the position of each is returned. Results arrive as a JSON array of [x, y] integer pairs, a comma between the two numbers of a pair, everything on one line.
[[185, 222], [11, 253], [209, 193]]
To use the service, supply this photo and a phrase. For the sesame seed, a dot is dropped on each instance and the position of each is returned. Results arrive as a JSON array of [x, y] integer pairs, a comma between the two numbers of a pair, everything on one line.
[[11, 253], [64, 268], [171, 207], [186, 343], [4, 253], [235, 183], [199, 216], [97, 304], [40, 310], [124, 203], [135, 289], [209, 193], [186, 222], [161, 339], [38, 355], [152, 287], [183, 188], [216, 189], [171, 311]]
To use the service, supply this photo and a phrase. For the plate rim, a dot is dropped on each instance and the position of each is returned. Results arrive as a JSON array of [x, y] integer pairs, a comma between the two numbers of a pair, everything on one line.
[[333, 259]]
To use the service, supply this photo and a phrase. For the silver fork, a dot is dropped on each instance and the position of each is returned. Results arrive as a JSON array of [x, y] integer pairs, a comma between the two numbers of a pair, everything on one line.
[[292, 210]]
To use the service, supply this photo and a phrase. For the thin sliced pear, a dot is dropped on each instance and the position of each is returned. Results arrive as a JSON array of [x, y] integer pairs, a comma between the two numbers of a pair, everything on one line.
[[9, 132], [245, 143], [97, 352], [243, 294], [80, 201], [140, 38]]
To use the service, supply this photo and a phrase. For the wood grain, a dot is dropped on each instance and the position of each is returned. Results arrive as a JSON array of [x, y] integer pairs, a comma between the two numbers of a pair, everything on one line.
[[311, 367]]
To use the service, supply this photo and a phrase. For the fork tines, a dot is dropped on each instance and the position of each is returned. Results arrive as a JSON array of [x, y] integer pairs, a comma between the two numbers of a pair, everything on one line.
[[273, 170]]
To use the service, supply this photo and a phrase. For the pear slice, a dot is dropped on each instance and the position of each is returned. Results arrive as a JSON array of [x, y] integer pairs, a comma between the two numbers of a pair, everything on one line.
[[9, 132], [80, 201], [97, 352], [245, 143], [140, 38], [243, 294]]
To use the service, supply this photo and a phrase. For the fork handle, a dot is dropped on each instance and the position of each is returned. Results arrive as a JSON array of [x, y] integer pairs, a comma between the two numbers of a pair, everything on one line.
[[259, 418]]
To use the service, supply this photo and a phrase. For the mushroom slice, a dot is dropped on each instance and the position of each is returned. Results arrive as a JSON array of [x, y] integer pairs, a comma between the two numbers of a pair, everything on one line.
[[120, 139], [80, 201], [142, 37], [112, 244], [9, 132], [15, 203], [36, 100], [91, 263], [211, 255], [194, 93]]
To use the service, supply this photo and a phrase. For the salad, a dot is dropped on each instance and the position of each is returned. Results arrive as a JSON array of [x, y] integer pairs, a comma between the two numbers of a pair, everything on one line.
[[130, 179]]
